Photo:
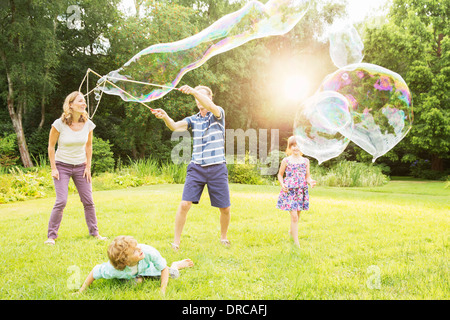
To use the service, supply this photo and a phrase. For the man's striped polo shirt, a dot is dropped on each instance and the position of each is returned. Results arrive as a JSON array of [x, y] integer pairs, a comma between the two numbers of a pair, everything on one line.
[[209, 138]]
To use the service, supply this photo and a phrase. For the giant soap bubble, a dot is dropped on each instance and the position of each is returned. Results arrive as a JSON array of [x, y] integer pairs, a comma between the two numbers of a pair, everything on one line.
[[323, 125], [346, 46], [380, 105], [156, 70]]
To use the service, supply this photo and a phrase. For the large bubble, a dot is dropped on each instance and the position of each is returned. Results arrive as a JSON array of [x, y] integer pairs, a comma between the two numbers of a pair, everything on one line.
[[323, 125], [346, 46], [380, 104], [165, 64]]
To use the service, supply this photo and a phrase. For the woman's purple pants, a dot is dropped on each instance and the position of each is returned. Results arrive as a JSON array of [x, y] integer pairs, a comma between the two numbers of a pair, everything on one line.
[[85, 192]]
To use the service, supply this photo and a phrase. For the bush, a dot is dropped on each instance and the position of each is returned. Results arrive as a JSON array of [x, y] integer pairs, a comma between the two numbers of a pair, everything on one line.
[[8, 150], [349, 174], [38, 143], [102, 156], [422, 169], [245, 173], [127, 180], [20, 185], [174, 173], [145, 167]]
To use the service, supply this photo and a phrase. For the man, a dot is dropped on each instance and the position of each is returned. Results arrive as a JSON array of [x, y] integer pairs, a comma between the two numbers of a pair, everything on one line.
[[208, 164]]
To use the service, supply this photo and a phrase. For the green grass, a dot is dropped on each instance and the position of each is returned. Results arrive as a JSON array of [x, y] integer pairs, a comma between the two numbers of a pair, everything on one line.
[[401, 228]]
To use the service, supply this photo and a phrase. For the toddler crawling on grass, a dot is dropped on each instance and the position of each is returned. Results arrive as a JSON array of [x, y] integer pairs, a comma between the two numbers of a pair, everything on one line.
[[130, 260]]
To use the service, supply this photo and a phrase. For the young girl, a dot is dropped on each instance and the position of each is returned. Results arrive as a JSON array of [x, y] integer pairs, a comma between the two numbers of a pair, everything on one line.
[[294, 195]]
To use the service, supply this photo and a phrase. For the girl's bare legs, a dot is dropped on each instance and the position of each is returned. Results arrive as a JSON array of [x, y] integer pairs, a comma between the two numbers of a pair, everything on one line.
[[293, 231]]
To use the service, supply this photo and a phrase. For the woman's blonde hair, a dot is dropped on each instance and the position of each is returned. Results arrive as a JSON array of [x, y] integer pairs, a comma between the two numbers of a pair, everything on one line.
[[67, 115], [120, 250], [207, 89], [291, 142]]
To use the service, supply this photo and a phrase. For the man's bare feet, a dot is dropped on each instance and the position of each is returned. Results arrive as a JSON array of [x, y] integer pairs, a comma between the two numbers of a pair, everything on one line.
[[225, 242]]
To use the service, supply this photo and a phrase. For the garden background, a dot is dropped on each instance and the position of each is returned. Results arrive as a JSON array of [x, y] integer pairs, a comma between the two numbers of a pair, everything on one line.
[[45, 55], [385, 215]]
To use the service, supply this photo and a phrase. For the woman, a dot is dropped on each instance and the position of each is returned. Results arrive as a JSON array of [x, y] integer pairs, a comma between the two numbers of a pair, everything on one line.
[[73, 132]]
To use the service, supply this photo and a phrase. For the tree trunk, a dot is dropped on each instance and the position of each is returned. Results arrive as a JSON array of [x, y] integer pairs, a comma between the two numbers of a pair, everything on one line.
[[16, 118], [249, 121], [41, 124], [21, 142], [437, 163]]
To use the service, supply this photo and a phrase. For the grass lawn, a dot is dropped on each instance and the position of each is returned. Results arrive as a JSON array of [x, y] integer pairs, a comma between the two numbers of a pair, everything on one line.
[[389, 242]]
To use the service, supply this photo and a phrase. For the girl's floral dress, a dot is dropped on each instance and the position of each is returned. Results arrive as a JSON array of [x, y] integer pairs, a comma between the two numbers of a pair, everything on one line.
[[297, 196]]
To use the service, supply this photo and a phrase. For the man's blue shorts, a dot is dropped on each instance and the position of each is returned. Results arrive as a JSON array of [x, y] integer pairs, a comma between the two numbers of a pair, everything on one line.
[[215, 177]]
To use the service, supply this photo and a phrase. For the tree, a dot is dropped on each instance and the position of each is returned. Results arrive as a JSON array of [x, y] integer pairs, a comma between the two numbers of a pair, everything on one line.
[[136, 133], [26, 32], [415, 43]]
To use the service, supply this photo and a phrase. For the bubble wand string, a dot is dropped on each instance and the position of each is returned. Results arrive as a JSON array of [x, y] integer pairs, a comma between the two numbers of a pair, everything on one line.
[[144, 83], [114, 85]]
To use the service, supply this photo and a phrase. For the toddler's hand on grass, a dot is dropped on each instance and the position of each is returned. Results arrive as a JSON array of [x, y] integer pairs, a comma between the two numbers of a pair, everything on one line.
[[78, 292]]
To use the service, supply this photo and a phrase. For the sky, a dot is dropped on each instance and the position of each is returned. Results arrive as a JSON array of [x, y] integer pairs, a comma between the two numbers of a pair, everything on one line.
[[358, 9]]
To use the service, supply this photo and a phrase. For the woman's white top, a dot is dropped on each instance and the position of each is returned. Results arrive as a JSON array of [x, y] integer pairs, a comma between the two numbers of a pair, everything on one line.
[[71, 144]]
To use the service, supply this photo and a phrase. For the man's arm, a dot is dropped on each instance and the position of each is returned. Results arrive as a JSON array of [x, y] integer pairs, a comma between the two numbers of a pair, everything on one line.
[[170, 123], [204, 100]]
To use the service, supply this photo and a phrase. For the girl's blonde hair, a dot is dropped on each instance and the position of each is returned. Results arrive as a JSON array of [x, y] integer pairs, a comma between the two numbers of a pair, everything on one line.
[[291, 142], [207, 89], [67, 115], [120, 250]]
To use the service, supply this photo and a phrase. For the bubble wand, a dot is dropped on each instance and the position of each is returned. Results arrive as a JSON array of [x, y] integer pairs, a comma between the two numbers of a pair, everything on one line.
[[105, 80]]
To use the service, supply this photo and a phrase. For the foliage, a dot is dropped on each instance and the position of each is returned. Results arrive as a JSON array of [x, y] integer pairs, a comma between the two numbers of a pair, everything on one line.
[[38, 143], [246, 171], [150, 171], [415, 43], [138, 134], [102, 156], [349, 174], [20, 185], [27, 31], [422, 169], [247, 81], [8, 150]]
